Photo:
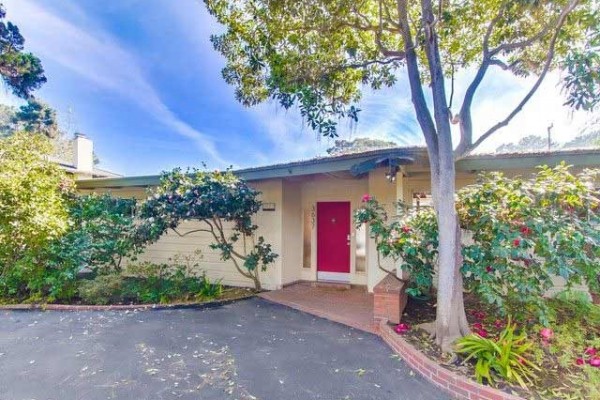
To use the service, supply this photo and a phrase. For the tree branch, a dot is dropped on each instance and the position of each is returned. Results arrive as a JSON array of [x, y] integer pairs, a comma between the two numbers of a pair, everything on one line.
[[464, 115], [416, 86], [546, 68], [189, 232], [371, 62], [508, 47]]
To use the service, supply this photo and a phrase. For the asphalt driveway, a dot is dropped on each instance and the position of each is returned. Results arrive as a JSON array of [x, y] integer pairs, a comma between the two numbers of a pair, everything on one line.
[[251, 349]]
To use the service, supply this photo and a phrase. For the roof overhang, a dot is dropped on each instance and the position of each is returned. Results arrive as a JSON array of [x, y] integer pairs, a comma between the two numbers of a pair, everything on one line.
[[392, 161], [361, 163]]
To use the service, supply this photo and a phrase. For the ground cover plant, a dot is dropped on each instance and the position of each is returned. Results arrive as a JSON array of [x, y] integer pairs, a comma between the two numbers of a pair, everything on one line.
[[560, 356], [180, 280]]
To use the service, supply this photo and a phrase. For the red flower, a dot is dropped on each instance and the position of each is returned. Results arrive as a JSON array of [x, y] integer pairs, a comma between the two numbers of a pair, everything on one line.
[[477, 326], [366, 198], [595, 362], [590, 351], [402, 328], [525, 230], [517, 242], [405, 229], [579, 361]]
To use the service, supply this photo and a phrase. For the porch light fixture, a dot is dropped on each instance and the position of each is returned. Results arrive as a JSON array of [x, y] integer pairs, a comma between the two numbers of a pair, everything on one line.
[[391, 173]]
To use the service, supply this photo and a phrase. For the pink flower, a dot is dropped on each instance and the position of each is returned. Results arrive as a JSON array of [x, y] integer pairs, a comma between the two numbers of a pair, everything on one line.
[[366, 198], [546, 334], [590, 351], [595, 362], [482, 332], [480, 315], [579, 361], [477, 326], [402, 328]]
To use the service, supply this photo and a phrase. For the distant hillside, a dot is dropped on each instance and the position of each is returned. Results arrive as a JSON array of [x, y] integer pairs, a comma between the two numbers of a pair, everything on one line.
[[358, 145]]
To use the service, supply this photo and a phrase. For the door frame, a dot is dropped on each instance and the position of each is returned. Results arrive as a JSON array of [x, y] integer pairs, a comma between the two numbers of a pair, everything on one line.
[[344, 277]]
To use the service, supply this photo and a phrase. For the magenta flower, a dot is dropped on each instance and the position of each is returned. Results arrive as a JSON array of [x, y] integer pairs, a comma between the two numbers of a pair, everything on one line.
[[489, 269], [482, 332], [477, 326], [402, 328], [590, 351], [595, 362], [579, 361], [366, 198]]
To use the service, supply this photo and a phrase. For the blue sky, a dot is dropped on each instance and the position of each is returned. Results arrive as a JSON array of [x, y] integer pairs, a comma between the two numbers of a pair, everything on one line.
[[141, 79]]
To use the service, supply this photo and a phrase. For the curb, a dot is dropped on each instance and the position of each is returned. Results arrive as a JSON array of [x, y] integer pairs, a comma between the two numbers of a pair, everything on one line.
[[120, 307], [454, 384]]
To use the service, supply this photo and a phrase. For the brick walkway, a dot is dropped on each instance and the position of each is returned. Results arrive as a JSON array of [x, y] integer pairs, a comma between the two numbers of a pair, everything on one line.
[[352, 307]]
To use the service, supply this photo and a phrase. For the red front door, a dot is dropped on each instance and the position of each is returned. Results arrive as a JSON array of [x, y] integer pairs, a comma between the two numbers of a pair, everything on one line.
[[333, 237]]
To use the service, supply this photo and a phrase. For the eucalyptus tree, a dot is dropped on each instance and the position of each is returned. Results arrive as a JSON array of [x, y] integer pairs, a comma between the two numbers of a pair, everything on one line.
[[320, 55]]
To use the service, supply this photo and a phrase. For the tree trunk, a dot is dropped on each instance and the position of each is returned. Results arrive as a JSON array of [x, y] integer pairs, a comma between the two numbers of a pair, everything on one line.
[[451, 320]]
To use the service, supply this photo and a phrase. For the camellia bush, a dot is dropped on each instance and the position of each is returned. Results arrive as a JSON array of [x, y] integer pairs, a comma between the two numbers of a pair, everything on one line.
[[410, 240], [223, 204], [520, 234]]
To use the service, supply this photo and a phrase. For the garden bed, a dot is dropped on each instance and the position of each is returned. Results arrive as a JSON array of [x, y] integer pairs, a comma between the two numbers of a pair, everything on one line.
[[228, 294], [565, 370]]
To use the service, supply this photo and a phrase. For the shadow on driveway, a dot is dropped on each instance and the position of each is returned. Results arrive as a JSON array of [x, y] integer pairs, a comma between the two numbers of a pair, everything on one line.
[[251, 349]]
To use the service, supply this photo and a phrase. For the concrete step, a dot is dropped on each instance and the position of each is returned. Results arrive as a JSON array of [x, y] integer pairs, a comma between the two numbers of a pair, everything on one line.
[[332, 285]]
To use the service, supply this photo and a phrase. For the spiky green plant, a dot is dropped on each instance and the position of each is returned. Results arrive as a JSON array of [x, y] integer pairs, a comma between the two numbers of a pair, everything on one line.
[[506, 357]]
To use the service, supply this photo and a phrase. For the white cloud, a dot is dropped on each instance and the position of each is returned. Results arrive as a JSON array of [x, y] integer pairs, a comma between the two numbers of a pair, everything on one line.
[[96, 56]]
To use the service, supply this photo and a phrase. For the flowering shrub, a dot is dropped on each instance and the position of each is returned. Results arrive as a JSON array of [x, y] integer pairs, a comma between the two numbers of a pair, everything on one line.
[[412, 240], [224, 205], [523, 232]]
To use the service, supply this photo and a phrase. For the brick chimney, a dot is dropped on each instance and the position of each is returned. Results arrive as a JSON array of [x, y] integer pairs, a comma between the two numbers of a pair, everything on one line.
[[83, 154]]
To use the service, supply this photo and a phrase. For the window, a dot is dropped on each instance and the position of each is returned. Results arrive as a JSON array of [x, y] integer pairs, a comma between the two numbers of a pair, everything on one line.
[[421, 198], [308, 223], [361, 249]]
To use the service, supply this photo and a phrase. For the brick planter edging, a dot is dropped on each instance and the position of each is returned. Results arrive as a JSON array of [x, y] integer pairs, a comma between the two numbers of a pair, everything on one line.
[[454, 384], [118, 307]]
